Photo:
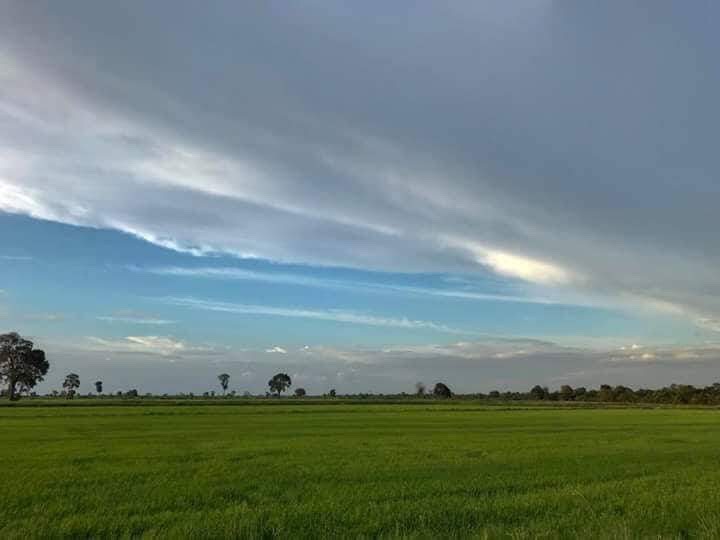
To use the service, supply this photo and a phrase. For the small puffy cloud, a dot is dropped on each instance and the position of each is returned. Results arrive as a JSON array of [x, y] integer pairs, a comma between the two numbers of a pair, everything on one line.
[[276, 349]]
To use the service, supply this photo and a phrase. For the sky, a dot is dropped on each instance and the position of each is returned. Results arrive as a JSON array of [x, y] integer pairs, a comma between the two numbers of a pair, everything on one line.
[[363, 195]]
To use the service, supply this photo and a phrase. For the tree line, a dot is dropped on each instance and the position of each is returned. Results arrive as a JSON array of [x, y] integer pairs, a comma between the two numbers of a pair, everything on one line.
[[22, 367]]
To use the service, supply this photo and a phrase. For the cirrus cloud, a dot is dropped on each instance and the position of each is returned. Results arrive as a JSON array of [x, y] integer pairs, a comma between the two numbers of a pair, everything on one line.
[[331, 139]]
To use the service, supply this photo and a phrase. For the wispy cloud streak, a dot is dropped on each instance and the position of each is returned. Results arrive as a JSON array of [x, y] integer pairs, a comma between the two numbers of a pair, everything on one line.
[[230, 273], [136, 320], [343, 316]]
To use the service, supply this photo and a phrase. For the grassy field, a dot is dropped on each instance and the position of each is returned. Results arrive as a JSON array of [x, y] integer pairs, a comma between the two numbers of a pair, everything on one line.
[[314, 471]]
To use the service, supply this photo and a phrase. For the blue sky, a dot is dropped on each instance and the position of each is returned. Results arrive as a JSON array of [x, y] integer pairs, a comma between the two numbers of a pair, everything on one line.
[[75, 282], [494, 195]]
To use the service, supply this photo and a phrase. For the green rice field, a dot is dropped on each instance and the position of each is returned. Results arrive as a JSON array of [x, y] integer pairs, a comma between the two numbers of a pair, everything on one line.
[[447, 470]]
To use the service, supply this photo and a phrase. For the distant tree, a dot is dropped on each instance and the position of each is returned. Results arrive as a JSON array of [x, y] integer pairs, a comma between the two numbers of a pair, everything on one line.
[[332, 392], [21, 365], [605, 393], [224, 379], [442, 390], [623, 393], [279, 383], [420, 389], [71, 384], [494, 394], [567, 393], [133, 393], [538, 392], [300, 392], [682, 393], [98, 387]]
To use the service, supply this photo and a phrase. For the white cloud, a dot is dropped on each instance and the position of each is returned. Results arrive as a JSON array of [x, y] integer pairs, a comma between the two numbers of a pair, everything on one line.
[[15, 257], [276, 349], [135, 320], [150, 345], [48, 317], [712, 324], [467, 366], [157, 343], [525, 268], [231, 273], [298, 168], [708, 353], [338, 315], [514, 265]]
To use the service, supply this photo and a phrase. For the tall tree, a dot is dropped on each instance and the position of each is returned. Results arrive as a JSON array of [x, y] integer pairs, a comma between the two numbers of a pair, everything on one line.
[[224, 379], [21, 365], [71, 384], [98, 387], [279, 383]]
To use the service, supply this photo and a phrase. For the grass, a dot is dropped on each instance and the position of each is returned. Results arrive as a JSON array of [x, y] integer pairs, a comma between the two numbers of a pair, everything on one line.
[[412, 471]]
